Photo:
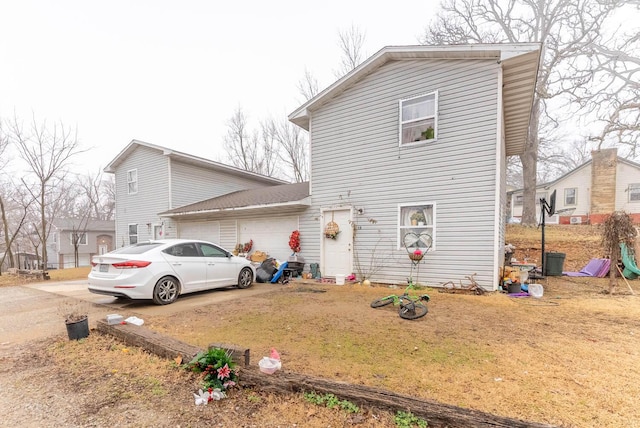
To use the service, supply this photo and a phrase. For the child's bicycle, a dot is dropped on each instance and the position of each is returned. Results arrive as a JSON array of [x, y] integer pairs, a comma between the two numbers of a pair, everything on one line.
[[411, 307]]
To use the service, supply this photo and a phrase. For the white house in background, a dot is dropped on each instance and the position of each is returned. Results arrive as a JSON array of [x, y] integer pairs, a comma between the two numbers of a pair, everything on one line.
[[587, 194], [417, 129], [94, 237], [413, 129]]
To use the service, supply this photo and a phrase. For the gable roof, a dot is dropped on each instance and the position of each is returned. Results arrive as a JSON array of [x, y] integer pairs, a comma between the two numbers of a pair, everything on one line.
[[520, 70], [91, 225], [573, 171], [293, 196], [189, 159]]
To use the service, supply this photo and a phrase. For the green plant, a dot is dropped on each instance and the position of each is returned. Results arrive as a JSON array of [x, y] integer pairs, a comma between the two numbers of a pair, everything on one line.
[[331, 401], [408, 420], [217, 368], [418, 216]]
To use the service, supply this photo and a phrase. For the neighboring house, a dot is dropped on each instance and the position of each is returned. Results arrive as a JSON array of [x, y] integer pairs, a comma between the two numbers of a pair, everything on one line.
[[152, 179], [23, 260], [413, 129], [94, 237], [589, 194]]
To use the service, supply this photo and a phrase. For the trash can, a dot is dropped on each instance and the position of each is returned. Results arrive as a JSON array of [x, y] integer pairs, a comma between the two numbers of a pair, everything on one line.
[[553, 263]]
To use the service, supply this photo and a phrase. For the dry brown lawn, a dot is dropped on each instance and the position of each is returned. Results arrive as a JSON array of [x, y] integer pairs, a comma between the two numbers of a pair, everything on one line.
[[570, 358]]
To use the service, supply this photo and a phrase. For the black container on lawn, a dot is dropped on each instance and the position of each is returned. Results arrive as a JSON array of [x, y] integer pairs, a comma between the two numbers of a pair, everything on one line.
[[78, 329]]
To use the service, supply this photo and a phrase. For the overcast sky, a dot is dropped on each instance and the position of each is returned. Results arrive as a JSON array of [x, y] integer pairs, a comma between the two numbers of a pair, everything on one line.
[[171, 73]]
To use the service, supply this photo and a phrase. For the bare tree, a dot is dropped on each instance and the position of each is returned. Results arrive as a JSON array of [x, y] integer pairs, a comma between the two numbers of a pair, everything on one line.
[[96, 194], [568, 30], [47, 151], [308, 85], [14, 209], [351, 42], [294, 147]]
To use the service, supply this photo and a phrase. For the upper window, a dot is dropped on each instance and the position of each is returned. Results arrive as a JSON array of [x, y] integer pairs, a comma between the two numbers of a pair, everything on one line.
[[133, 234], [416, 226], [132, 181], [80, 237], [418, 118], [571, 196], [634, 192]]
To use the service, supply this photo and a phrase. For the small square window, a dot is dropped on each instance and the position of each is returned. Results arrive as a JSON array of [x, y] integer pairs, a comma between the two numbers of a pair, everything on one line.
[[570, 196], [80, 238], [634, 192], [418, 118], [132, 181]]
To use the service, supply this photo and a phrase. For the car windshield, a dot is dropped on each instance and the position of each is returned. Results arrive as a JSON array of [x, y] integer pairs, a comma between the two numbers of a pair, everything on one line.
[[140, 248]]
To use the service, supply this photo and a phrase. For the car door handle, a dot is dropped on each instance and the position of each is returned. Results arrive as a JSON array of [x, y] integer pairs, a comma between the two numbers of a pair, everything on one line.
[[177, 264], [211, 264]]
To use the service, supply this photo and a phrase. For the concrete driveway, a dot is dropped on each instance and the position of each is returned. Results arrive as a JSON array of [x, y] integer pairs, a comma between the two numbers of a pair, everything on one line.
[[34, 311]]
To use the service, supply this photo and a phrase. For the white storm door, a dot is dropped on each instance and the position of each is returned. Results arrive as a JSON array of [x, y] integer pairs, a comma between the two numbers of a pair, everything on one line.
[[337, 256]]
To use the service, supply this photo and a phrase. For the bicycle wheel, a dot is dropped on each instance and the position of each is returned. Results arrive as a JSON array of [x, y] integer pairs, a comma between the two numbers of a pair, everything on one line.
[[412, 311], [382, 302]]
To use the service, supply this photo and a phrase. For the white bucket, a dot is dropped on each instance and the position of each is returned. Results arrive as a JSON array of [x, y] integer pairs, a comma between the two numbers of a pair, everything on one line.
[[340, 279], [536, 290]]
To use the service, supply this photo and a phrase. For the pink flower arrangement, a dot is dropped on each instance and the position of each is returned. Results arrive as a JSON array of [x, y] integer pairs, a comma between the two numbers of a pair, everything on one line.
[[417, 252]]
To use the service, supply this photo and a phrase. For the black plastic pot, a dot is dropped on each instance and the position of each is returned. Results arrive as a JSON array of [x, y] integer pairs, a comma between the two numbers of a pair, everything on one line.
[[78, 329]]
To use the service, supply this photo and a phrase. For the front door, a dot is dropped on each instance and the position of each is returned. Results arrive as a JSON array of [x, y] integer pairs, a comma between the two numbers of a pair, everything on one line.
[[337, 255]]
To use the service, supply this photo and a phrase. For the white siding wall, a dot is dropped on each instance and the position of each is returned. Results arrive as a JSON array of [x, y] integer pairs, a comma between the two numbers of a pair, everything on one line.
[[625, 175], [191, 183], [356, 161], [152, 198]]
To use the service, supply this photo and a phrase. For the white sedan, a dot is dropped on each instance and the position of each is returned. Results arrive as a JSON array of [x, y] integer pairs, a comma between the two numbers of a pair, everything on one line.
[[161, 270]]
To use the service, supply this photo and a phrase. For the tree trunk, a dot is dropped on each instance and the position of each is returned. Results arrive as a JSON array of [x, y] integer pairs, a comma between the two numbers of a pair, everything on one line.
[[529, 160]]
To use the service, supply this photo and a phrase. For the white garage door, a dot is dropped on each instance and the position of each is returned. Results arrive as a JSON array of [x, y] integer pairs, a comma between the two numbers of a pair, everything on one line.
[[269, 235], [205, 230]]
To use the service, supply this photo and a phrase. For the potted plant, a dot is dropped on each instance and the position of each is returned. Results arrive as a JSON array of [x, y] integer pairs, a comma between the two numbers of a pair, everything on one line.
[[418, 219], [76, 319]]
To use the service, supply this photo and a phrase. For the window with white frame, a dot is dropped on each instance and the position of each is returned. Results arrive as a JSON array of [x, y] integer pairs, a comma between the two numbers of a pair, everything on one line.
[[570, 196], [79, 237], [418, 118], [518, 200], [133, 234], [634, 192], [132, 181], [416, 226]]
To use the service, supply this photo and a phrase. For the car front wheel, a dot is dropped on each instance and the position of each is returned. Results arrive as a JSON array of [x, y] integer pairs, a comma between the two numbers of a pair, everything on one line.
[[166, 291], [245, 278]]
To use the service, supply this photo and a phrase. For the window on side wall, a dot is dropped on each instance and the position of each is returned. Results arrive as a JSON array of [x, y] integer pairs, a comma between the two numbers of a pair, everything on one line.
[[518, 200], [418, 118], [133, 234], [81, 237], [416, 226], [132, 181], [570, 196], [634, 192]]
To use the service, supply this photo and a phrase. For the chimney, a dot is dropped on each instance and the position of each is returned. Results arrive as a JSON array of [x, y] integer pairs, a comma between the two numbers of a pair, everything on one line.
[[603, 183]]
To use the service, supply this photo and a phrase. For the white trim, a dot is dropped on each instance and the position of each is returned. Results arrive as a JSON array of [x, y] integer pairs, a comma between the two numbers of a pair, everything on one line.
[[404, 122], [499, 221], [432, 226], [129, 182]]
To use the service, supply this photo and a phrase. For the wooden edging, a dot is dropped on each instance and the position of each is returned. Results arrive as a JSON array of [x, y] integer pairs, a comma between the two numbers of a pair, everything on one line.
[[436, 414]]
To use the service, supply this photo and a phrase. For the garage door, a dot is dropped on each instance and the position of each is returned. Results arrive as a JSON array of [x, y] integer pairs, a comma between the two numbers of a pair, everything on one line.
[[205, 230], [269, 235]]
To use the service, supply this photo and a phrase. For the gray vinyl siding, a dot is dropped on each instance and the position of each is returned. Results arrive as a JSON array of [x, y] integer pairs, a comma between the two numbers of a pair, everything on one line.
[[191, 183], [356, 162], [152, 198]]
